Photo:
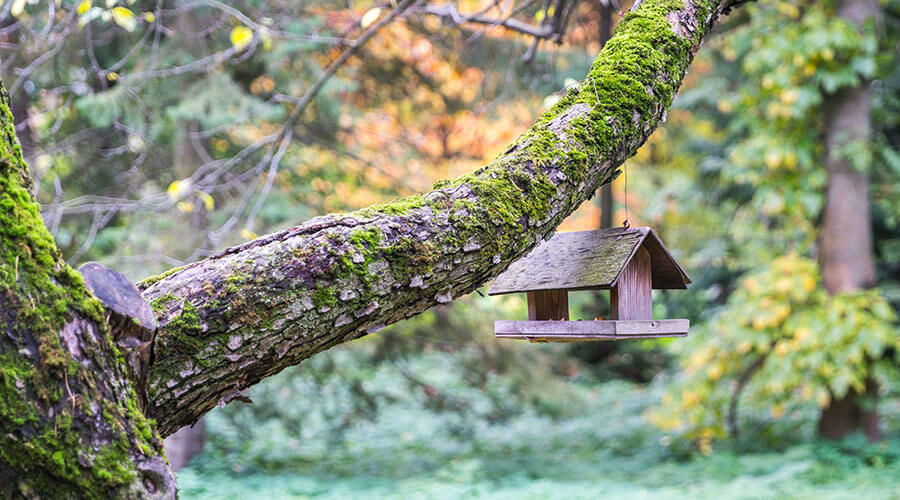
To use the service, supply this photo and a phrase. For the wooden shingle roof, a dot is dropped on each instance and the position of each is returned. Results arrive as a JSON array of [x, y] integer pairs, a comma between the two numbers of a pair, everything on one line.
[[589, 260]]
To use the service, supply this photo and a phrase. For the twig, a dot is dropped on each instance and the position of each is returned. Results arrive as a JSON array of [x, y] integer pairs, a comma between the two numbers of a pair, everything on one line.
[[735, 396]]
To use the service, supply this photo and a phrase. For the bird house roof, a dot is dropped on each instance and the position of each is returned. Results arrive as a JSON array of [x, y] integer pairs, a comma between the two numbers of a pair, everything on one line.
[[588, 260]]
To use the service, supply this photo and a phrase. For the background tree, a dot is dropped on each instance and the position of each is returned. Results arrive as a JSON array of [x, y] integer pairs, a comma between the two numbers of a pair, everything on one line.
[[781, 339]]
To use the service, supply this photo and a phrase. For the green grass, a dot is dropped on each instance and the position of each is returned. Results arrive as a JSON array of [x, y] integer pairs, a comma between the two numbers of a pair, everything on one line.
[[597, 446]]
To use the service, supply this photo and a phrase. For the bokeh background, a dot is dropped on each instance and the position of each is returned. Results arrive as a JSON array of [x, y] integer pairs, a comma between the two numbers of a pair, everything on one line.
[[159, 132]]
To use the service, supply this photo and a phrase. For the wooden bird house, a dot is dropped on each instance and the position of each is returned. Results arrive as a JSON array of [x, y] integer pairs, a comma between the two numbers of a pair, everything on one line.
[[627, 262]]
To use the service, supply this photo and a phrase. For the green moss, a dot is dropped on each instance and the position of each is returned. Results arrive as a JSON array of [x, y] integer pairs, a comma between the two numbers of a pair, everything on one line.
[[147, 282], [39, 295], [400, 206], [324, 296], [184, 330], [161, 304], [233, 283], [365, 239]]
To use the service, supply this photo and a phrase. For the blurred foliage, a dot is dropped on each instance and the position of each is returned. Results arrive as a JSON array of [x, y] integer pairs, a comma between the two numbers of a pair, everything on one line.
[[601, 446], [798, 343], [748, 219]]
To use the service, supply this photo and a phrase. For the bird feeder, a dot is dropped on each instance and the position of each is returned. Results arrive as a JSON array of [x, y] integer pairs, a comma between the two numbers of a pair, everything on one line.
[[628, 262]]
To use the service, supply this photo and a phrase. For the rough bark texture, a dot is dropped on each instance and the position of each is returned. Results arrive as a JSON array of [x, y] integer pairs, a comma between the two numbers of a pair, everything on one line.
[[70, 426], [237, 317], [70, 422], [847, 259]]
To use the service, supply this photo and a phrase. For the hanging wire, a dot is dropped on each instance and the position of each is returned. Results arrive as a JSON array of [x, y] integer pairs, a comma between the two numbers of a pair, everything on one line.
[[626, 223]]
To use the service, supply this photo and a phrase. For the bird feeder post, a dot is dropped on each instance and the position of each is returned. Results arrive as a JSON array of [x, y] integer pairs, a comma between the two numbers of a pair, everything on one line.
[[632, 297], [548, 305]]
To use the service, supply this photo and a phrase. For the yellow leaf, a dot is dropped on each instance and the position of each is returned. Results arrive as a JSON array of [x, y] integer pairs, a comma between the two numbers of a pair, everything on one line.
[[777, 411], [789, 9], [705, 446], [689, 398], [802, 333], [773, 158], [83, 7], [266, 38], [241, 36], [185, 206], [208, 201], [789, 96], [823, 398], [790, 160], [149, 17], [781, 349], [18, 6], [124, 18], [806, 393], [369, 18], [178, 189], [248, 235], [112, 76]]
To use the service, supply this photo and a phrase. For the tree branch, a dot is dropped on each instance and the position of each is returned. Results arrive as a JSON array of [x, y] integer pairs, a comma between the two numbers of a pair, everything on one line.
[[448, 11], [736, 394], [235, 318]]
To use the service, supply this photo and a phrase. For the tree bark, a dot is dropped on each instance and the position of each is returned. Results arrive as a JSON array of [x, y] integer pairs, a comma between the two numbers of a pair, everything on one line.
[[847, 260], [185, 444], [71, 423]]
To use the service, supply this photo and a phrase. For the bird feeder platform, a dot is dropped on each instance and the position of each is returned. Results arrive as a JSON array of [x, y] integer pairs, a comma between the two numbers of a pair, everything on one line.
[[629, 262]]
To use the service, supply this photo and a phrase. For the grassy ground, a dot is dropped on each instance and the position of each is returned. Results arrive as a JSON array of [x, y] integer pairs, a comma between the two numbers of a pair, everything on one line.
[[603, 447], [797, 473]]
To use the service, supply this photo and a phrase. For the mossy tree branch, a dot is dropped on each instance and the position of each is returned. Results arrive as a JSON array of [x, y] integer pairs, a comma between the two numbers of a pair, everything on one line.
[[70, 424], [235, 318]]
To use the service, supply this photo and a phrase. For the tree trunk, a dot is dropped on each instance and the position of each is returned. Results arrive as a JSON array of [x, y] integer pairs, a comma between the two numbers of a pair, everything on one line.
[[185, 444], [847, 260], [71, 422]]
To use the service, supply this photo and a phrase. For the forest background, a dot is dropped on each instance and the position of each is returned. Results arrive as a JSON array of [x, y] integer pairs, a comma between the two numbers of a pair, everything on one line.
[[161, 132]]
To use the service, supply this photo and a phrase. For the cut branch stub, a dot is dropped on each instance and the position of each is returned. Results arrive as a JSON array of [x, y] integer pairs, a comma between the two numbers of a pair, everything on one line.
[[131, 319]]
